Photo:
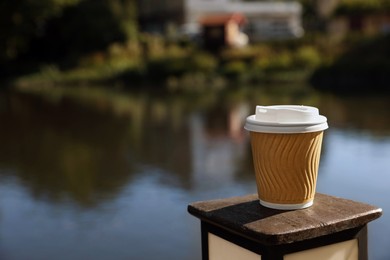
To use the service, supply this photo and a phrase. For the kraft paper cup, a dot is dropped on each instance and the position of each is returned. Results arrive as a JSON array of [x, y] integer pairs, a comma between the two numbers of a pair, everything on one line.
[[286, 145]]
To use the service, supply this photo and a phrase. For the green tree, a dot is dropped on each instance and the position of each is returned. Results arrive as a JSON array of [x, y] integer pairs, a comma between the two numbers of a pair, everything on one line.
[[126, 12], [356, 7], [61, 28], [23, 20]]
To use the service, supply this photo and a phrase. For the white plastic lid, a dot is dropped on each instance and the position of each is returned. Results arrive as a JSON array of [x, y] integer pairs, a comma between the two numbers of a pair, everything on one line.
[[286, 119]]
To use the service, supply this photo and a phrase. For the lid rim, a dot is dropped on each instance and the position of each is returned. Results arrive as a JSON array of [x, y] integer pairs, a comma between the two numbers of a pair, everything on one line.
[[252, 120], [286, 129]]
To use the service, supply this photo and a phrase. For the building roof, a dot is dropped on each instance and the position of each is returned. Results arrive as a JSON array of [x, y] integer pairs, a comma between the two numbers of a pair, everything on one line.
[[220, 19]]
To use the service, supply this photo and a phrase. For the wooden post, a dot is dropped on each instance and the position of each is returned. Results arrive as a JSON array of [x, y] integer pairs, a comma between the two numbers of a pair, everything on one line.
[[240, 228]]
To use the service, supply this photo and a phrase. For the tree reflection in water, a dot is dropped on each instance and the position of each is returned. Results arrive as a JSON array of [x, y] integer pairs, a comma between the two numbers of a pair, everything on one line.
[[90, 146]]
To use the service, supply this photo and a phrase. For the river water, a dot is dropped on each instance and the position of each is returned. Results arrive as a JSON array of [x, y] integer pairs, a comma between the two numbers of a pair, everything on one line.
[[94, 174]]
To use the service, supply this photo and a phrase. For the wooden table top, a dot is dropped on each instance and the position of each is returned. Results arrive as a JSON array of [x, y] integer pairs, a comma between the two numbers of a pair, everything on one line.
[[245, 216]]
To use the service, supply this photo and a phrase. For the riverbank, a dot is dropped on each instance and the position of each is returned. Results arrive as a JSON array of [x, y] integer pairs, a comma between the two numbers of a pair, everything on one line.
[[176, 66], [363, 69], [345, 68]]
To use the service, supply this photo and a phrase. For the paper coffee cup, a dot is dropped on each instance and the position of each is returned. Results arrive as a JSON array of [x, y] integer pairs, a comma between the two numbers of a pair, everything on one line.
[[286, 145]]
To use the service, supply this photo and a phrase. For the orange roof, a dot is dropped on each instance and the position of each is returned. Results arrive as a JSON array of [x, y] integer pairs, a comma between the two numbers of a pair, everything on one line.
[[219, 19]]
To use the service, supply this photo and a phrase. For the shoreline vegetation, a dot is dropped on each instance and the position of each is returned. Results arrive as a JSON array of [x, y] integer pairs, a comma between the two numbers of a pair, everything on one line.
[[62, 47], [363, 68], [176, 66]]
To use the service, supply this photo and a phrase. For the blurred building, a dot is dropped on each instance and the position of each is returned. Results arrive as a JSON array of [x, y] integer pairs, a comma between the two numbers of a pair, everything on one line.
[[265, 19], [223, 30]]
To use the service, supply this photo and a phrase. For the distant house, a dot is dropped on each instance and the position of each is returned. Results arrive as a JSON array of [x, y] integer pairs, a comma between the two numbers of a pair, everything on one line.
[[265, 19], [223, 30]]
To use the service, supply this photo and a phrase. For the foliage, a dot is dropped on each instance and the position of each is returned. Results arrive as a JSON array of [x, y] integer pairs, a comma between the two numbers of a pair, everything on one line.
[[365, 64], [307, 57], [204, 62], [154, 60], [356, 7], [282, 60], [234, 69], [23, 20], [92, 70], [308, 7], [57, 29]]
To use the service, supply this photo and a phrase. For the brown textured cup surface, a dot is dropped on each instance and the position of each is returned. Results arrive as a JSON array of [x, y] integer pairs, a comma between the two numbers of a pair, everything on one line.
[[286, 166]]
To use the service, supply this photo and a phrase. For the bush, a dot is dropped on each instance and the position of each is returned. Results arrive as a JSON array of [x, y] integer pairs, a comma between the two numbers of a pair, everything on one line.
[[358, 7], [281, 61], [307, 57], [234, 69], [163, 67], [203, 62], [261, 63]]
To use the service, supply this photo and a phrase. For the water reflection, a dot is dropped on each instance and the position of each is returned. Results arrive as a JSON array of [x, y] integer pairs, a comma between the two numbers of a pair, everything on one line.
[[119, 159], [60, 151], [86, 147], [370, 114]]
